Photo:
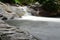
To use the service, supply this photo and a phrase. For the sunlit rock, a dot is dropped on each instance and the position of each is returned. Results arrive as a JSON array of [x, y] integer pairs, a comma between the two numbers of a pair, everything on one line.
[[6, 11], [11, 12]]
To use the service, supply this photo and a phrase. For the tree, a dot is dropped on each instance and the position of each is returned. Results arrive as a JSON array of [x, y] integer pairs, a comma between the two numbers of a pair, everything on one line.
[[49, 5], [18, 1]]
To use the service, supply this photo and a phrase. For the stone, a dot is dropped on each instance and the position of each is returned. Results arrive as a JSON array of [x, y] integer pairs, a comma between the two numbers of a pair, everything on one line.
[[4, 18], [43, 28], [39, 11], [8, 32], [10, 12]]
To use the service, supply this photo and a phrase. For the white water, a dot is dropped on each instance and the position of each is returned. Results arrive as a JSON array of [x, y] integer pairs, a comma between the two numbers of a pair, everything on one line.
[[25, 10], [41, 27]]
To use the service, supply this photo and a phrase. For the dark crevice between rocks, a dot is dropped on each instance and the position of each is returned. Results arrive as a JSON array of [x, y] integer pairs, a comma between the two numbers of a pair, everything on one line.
[[0, 38], [4, 18]]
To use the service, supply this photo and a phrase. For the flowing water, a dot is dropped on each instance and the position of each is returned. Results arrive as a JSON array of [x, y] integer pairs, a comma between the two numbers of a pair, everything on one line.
[[41, 27]]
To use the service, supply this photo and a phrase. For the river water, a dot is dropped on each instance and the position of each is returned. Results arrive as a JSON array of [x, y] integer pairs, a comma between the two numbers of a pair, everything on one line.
[[43, 30]]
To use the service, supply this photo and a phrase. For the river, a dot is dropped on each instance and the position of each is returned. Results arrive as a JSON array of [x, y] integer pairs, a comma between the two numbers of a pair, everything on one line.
[[41, 27]]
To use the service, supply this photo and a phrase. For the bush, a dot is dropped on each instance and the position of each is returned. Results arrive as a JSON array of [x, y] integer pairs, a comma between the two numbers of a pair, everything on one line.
[[49, 5], [18, 1], [7, 1]]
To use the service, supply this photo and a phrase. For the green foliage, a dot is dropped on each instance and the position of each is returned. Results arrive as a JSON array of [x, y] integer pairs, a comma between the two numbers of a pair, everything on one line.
[[8, 1], [18, 1], [24, 1], [49, 5]]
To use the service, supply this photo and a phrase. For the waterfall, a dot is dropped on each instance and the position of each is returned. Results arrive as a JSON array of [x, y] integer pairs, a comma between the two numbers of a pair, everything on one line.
[[25, 8]]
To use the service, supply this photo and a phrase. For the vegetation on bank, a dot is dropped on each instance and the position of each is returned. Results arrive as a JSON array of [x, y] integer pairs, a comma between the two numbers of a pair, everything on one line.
[[18, 1]]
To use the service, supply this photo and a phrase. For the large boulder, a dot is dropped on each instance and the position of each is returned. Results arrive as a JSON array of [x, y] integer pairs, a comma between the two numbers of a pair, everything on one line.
[[6, 10]]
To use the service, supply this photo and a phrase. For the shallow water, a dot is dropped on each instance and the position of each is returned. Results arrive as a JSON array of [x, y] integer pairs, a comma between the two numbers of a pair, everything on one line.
[[41, 27], [43, 30]]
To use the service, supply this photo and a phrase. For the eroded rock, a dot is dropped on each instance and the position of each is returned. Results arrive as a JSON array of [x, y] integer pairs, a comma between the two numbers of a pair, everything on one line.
[[8, 32], [11, 12]]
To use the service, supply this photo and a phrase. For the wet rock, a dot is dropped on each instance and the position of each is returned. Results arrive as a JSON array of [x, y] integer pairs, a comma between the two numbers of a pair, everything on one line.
[[8, 32], [10, 12], [1, 15], [6, 11], [4, 18], [39, 11]]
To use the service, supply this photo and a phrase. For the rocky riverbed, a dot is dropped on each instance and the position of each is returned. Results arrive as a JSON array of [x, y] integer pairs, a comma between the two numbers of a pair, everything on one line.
[[8, 32], [17, 23]]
